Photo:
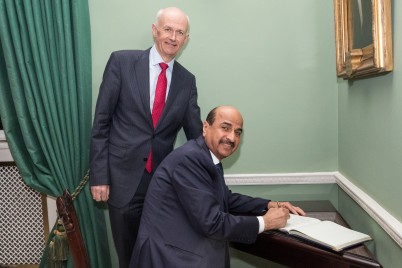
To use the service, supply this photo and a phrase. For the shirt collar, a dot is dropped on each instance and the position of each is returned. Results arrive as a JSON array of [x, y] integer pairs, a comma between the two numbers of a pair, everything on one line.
[[214, 158], [155, 58]]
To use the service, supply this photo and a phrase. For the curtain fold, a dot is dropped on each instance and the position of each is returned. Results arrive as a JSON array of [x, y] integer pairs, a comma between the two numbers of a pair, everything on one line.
[[45, 104]]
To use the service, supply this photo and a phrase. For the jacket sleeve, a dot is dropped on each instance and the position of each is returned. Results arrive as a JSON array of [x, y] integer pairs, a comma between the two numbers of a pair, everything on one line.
[[105, 106], [201, 201], [243, 204], [192, 124]]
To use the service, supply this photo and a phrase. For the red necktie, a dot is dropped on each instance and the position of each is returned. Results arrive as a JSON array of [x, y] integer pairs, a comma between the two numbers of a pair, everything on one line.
[[159, 103]]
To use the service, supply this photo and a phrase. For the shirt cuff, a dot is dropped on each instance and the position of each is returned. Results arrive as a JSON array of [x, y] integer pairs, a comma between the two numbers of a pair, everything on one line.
[[262, 224]]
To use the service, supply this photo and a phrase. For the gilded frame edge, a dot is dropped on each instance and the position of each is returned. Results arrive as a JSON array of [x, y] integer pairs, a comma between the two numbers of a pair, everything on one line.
[[368, 61]]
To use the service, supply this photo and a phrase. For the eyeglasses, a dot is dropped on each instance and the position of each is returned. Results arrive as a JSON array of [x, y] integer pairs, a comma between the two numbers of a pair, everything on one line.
[[169, 31]]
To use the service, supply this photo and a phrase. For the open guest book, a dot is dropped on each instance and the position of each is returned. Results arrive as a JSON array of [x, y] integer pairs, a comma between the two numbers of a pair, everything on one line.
[[325, 233]]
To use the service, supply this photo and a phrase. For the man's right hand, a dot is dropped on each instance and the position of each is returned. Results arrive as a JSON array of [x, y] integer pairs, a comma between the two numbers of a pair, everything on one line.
[[100, 192], [275, 218]]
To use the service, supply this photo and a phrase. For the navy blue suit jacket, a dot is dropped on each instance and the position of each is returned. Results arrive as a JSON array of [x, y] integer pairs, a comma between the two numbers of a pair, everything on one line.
[[188, 219], [123, 134]]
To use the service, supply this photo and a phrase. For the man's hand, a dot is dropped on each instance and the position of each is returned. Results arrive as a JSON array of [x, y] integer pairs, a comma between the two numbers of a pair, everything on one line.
[[100, 192], [275, 218], [292, 209], [278, 214]]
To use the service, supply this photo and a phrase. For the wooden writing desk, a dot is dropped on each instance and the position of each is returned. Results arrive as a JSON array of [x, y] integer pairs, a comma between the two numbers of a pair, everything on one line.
[[293, 252]]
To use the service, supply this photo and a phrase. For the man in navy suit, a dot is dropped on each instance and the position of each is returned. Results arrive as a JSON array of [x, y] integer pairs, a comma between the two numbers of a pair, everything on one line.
[[190, 215], [123, 133]]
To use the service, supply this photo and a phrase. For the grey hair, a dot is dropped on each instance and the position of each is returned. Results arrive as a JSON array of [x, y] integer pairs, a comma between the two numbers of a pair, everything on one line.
[[160, 12]]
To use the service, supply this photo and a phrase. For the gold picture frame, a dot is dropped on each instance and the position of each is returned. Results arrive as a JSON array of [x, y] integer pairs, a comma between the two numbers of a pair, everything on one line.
[[363, 32]]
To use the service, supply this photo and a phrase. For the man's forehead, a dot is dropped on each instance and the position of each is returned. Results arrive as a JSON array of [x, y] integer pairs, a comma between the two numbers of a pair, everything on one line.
[[227, 123], [173, 20], [229, 118], [176, 26]]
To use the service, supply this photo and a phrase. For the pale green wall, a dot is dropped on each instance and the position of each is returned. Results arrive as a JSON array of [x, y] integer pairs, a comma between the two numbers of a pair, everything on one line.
[[370, 142], [275, 61], [370, 130]]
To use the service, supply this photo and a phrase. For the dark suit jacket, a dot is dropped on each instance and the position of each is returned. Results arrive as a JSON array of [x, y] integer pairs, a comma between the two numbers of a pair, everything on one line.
[[188, 219], [123, 134]]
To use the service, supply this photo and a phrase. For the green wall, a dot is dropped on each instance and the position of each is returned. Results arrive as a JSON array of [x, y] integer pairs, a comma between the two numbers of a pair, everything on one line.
[[370, 130], [275, 61], [370, 143]]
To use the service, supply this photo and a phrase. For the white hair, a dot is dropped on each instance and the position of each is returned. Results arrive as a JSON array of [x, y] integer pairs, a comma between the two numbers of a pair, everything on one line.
[[160, 12]]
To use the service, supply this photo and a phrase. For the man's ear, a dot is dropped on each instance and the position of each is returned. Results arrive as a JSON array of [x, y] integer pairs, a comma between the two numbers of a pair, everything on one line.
[[154, 30], [204, 128], [187, 39]]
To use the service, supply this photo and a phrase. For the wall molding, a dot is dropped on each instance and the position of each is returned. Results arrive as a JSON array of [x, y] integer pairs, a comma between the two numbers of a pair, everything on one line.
[[284, 178], [5, 155], [2, 136], [389, 223]]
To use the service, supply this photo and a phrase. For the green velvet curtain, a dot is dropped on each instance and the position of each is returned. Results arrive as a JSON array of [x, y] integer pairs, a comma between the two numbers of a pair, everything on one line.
[[45, 104]]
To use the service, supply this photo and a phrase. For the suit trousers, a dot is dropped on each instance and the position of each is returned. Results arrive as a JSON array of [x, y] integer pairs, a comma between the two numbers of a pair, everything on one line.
[[125, 222]]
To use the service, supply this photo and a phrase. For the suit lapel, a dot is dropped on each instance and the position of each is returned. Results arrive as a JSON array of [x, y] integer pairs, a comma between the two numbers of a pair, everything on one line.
[[141, 68], [219, 183], [173, 91], [174, 84], [222, 187]]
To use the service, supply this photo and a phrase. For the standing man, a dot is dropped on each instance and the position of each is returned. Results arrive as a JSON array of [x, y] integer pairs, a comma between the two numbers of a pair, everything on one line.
[[145, 98], [190, 214]]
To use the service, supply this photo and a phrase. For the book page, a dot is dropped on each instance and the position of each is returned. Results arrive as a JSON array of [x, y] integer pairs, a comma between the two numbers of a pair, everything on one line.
[[330, 234], [296, 221]]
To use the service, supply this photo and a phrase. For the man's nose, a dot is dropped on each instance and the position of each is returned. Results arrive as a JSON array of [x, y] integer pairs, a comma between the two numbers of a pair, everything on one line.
[[231, 136], [173, 35]]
